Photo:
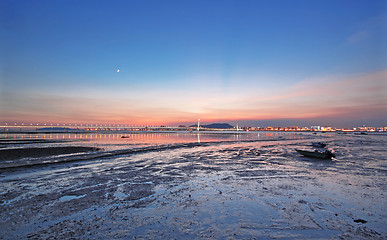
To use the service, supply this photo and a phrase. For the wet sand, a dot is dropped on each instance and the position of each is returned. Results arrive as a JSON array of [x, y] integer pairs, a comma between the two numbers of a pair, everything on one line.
[[18, 153], [262, 190]]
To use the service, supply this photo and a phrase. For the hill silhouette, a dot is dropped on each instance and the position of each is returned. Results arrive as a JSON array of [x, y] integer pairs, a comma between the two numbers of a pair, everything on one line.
[[216, 125]]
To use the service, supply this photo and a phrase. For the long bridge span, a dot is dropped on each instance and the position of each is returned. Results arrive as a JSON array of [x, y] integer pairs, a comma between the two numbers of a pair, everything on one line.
[[43, 128]]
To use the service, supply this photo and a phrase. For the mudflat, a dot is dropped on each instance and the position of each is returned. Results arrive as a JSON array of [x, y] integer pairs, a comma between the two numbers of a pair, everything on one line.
[[37, 152], [230, 190]]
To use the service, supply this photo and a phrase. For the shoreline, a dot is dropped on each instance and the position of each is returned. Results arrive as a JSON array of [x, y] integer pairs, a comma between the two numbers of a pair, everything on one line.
[[123, 132]]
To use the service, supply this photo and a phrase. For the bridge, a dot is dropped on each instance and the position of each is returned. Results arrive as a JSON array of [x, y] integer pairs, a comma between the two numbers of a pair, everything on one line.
[[74, 128]]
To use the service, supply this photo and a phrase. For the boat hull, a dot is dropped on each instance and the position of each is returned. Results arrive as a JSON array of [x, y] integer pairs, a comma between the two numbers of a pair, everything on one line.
[[316, 154]]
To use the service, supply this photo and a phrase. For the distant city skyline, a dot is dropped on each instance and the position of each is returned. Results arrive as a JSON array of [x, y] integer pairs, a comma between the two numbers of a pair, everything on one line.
[[6, 126], [252, 63]]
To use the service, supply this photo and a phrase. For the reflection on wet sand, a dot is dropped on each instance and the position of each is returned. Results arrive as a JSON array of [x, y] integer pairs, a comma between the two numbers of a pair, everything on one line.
[[257, 188]]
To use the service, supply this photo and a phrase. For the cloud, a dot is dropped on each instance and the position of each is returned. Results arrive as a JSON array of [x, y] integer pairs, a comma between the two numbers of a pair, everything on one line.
[[373, 28], [344, 96], [359, 36], [328, 96]]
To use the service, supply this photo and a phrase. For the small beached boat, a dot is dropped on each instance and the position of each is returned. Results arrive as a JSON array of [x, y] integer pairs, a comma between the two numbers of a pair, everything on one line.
[[317, 154], [319, 144], [125, 136], [361, 133]]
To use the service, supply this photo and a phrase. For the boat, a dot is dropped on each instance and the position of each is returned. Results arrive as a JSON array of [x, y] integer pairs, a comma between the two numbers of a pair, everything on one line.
[[125, 136], [361, 133], [317, 154], [319, 144]]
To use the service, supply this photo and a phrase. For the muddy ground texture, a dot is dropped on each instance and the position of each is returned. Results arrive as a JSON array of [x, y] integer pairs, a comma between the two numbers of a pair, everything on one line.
[[24, 155], [19, 153], [223, 191]]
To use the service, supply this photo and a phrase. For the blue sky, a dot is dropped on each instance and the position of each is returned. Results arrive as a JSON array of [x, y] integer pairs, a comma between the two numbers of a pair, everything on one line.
[[183, 60]]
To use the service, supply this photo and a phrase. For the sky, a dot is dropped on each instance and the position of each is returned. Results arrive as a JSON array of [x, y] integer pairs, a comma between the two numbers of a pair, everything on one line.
[[255, 63]]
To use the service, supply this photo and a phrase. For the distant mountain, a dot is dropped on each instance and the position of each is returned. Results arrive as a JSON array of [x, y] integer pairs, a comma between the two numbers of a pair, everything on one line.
[[215, 125], [55, 129]]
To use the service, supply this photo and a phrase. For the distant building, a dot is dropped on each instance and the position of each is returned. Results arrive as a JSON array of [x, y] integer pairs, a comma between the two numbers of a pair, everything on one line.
[[329, 129], [315, 128], [366, 129]]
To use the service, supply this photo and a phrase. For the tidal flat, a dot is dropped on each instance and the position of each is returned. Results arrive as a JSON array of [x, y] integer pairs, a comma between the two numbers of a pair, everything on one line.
[[191, 186]]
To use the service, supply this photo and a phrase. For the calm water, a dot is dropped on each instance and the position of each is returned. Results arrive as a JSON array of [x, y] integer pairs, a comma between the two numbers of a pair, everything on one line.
[[246, 185], [114, 141]]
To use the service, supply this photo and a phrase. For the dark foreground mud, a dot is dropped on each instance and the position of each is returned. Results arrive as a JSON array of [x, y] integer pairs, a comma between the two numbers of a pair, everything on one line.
[[18, 153]]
